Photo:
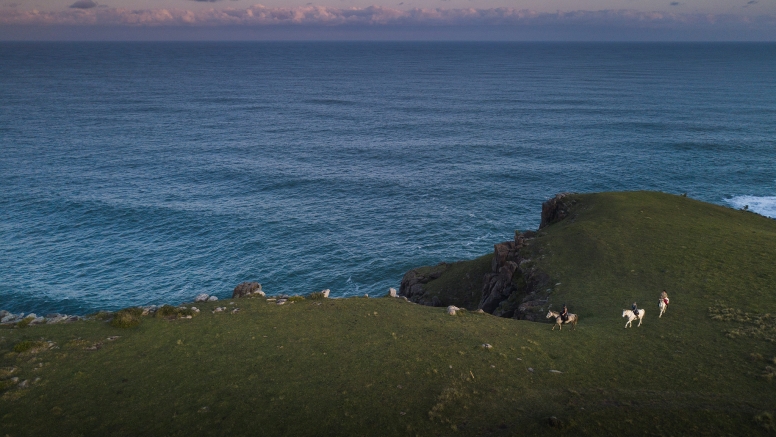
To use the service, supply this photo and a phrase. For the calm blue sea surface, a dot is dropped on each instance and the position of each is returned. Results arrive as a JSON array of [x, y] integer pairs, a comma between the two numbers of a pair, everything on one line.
[[135, 173]]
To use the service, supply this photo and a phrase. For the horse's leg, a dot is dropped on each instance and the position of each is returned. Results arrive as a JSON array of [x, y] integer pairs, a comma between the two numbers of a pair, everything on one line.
[[639, 322]]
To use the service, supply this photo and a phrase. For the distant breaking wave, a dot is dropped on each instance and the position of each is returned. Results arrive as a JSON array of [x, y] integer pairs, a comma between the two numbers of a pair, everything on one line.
[[761, 205]]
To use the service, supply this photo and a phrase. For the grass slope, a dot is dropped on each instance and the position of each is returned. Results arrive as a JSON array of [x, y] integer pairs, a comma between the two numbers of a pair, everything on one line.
[[388, 367]]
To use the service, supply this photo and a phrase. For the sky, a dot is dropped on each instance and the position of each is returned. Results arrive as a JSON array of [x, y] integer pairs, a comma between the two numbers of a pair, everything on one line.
[[584, 20]]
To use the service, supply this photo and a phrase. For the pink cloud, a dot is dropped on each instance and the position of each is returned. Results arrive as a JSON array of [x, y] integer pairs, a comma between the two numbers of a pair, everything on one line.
[[259, 15]]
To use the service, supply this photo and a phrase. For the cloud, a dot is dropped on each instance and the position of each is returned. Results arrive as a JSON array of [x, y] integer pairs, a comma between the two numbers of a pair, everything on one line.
[[84, 4], [85, 13], [674, 3], [11, 5], [752, 2]]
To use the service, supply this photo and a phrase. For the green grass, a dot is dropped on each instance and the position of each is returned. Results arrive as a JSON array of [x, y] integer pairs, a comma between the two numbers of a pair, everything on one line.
[[389, 367]]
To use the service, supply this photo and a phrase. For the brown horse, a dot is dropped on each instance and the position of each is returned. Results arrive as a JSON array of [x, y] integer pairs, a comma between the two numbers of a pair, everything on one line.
[[573, 319]]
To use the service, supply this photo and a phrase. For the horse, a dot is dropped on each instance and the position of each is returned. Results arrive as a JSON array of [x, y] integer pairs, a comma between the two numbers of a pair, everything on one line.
[[573, 319], [631, 317], [663, 305]]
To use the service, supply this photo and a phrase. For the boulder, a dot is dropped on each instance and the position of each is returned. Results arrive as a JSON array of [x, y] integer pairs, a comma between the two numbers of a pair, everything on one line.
[[452, 309], [212, 299], [11, 318], [202, 297], [247, 289], [326, 293], [392, 292]]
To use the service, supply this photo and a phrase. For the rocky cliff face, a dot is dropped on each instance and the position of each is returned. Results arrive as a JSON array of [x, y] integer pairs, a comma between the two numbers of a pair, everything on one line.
[[514, 287], [413, 281]]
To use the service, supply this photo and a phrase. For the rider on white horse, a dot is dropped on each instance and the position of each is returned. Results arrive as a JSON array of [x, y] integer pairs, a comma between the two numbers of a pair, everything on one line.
[[564, 315]]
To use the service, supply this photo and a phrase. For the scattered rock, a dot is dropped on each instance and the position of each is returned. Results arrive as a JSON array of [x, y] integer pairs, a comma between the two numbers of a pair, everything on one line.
[[392, 292], [554, 422], [235, 311], [530, 369], [452, 309], [24, 384], [555, 371], [148, 310], [247, 289], [212, 299], [366, 295], [202, 297], [195, 309], [480, 311], [218, 310], [113, 338], [55, 318], [12, 318], [487, 346], [281, 302], [326, 293], [94, 347]]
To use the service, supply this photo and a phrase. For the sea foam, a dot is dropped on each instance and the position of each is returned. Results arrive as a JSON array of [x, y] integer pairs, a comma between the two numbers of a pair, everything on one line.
[[765, 205]]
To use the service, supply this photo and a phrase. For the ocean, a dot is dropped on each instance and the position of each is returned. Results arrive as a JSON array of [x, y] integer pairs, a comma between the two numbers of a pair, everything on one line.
[[146, 173]]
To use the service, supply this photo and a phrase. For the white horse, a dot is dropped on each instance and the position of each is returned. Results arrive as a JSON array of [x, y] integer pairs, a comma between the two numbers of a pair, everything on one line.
[[663, 305], [573, 319], [631, 317]]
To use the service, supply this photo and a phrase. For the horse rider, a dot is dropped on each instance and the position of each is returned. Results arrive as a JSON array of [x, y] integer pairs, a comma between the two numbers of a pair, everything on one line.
[[664, 297], [564, 315], [634, 309]]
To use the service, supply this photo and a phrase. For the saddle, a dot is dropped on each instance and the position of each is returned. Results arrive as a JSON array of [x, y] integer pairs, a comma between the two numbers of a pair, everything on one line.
[[636, 312]]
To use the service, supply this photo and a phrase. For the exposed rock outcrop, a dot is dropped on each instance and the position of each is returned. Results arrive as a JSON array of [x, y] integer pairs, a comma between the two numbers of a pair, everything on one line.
[[514, 287], [247, 289], [555, 209], [413, 281]]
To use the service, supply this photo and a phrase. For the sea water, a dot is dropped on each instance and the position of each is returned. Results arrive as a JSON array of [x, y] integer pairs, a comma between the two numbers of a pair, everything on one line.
[[140, 173]]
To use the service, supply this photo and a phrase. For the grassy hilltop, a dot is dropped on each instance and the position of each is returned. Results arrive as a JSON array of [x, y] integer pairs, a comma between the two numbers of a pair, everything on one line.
[[383, 366]]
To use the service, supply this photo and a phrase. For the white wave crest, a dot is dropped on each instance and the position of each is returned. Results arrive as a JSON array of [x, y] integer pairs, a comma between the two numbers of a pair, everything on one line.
[[761, 205]]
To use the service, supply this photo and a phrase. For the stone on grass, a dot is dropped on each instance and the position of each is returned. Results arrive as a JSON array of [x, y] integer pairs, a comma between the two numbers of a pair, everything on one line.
[[202, 297], [247, 289], [487, 346], [452, 309], [392, 292], [235, 311], [218, 310], [555, 371], [326, 293], [212, 299]]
